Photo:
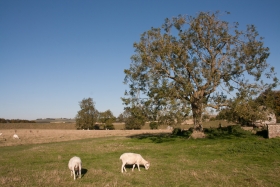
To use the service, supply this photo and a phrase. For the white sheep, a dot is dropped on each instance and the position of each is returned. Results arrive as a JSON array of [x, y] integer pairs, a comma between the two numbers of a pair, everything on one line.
[[75, 165], [132, 159], [15, 136]]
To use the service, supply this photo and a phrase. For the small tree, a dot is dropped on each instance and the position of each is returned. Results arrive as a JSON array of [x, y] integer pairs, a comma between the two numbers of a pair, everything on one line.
[[107, 118], [271, 99], [153, 125], [88, 115], [120, 118], [135, 118]]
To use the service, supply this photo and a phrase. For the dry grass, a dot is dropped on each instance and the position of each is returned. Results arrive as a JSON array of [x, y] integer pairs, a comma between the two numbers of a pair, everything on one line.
[[36, 136], [37, 126]]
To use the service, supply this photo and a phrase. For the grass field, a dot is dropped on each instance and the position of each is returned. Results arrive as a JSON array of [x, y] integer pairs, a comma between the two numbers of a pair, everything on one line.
[[224, 159]]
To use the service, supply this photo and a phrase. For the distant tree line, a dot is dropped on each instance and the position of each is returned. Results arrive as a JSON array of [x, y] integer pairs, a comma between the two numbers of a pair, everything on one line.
[[239, 110], [2, 120]]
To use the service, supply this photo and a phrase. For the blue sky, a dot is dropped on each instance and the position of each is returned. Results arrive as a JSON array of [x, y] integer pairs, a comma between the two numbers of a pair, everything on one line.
[[54, 53]]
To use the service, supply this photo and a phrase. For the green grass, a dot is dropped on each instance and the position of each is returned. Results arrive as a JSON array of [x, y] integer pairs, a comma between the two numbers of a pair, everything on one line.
[[234, 159]]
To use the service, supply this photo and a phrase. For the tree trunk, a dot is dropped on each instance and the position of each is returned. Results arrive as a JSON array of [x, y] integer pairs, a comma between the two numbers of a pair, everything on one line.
[[197, 115]]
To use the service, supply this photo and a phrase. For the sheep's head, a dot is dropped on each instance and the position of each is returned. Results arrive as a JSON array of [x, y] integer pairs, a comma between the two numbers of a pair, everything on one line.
[[147, 165]]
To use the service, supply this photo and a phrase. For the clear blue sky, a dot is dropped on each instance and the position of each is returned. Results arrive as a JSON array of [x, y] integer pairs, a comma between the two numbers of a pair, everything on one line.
[[54, 53]]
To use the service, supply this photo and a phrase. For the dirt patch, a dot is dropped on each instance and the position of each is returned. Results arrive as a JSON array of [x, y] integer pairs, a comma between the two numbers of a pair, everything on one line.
[[36, 136], [198, 134]]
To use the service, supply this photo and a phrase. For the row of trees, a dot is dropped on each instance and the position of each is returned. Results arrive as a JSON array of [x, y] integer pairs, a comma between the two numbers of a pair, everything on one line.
[[2, 120], [90, 118], [244, 112]]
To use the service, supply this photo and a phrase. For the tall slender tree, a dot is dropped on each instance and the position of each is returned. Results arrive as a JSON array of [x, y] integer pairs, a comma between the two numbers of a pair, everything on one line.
[[88, 115]]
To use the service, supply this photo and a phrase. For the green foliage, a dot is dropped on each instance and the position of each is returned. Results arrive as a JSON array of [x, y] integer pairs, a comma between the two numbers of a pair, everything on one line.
[[2, 120], [109, 126], [120, 118], [134, 123], [135, 117], [245, 110], [107, 118], [271, 99], [154, 125], [88, 115], [180, 132], [186, 68]]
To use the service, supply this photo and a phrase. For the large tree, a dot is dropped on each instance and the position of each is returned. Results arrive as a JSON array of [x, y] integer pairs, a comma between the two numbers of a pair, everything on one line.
[[88, 115], [196, 61]]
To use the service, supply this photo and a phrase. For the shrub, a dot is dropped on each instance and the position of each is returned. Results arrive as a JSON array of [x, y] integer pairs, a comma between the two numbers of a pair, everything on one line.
[[154, 125], [109, 126], [96, 127], [179, 132]]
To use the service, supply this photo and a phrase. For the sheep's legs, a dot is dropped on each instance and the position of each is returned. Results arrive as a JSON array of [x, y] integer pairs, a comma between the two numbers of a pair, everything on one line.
[[138, 167], [80, 170], [134, 166], [73, 173], [123, 168]]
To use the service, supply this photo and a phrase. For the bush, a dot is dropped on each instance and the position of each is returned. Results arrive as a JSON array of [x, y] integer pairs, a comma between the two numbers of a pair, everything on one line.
[[96, 127], [134, 123], [179, 132], [154, 125], [176, 131], [109, 126]]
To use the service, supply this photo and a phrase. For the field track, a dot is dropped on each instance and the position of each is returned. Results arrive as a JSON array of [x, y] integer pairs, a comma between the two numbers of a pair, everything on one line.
[[36, 136]]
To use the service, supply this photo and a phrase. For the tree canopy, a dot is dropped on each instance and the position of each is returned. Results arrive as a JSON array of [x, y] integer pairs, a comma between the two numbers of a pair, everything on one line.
[[107, 118], [194, 63], [271, 99], [88, 115]]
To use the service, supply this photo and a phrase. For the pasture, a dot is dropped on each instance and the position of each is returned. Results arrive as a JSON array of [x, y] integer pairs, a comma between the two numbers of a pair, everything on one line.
[[239, 159]]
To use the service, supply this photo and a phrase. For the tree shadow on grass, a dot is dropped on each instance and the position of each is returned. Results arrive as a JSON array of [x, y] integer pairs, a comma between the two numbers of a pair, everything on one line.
[[155, 137], [230, 132]]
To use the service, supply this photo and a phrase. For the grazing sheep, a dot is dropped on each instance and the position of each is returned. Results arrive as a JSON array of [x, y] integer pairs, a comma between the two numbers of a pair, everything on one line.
[[15, 136], [132, 159], [3, 137], [75, 165]]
